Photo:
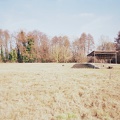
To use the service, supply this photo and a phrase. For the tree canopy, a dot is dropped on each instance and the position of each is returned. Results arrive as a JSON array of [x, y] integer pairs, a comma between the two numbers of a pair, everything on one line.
[[35, 46]]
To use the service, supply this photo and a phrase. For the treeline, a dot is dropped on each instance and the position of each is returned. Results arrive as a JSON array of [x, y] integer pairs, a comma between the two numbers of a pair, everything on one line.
[[35, 46]]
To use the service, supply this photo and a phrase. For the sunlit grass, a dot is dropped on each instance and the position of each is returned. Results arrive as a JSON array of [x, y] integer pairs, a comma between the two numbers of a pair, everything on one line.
[[56, 92]]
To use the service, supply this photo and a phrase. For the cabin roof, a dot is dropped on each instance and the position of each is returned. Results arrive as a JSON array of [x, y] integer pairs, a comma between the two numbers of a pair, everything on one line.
[[95, 53]]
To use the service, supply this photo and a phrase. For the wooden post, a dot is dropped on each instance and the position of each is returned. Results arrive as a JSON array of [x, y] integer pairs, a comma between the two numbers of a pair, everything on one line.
[[94, 56], [94, 59], [116, 58], [110, 61]]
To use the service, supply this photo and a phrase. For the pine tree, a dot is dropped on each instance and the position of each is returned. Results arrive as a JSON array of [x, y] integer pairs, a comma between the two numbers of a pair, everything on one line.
[[19, 57], [118, 41], [2, 55], [29, 52], [13, 56]]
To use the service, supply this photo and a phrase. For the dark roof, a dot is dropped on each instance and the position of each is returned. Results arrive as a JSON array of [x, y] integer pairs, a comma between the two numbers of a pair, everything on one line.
[[102, 53]]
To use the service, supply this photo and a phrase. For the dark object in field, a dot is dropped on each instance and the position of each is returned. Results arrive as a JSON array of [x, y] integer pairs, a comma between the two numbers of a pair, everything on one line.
[[62, 65], [84, 66], [109, 67]]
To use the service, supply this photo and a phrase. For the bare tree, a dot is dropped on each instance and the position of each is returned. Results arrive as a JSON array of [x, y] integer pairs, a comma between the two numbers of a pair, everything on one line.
[[55, 49], [4, 38], [76, 50], [83, 43], [90, 43], [44, 48], [105, 44], [82, 46], [66, 49]]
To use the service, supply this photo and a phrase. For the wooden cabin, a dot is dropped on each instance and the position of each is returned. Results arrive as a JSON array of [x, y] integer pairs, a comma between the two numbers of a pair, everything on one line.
[[103, 56]]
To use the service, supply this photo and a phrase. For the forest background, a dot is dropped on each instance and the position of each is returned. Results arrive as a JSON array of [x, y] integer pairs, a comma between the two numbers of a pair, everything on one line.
[[35, 46]]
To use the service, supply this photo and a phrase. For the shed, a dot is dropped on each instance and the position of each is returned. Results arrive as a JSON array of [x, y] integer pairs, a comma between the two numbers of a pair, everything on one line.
[[105, 55]]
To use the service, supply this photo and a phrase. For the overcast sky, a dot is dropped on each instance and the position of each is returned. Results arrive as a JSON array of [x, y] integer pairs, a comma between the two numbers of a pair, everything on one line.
[[62, 17]]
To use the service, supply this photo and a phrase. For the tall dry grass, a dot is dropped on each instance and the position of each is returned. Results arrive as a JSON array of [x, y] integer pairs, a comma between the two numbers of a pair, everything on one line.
[[56, 92]]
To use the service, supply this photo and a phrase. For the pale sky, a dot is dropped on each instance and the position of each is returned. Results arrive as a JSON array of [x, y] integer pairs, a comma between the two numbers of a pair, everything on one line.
[[62, 17]]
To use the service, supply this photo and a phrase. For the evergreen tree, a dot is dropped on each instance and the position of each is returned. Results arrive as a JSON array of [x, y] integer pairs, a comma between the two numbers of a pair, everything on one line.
[[2, 55], [29, 46], [118, 41], [13, 56], [19, 57], [29, 52]]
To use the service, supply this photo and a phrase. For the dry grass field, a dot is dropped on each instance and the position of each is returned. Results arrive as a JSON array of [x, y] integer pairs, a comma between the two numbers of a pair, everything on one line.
[[51, 91]]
